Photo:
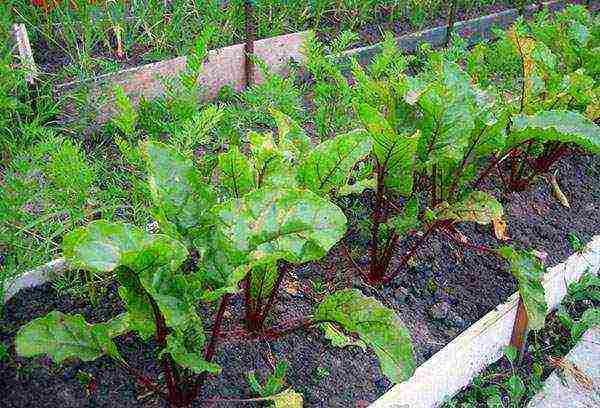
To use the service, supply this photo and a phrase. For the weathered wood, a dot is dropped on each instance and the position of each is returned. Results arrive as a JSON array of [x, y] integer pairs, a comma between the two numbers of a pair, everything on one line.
[[455, 365], [249, 44], [224, 67], [520, 330], [25, 54], [35, 277]]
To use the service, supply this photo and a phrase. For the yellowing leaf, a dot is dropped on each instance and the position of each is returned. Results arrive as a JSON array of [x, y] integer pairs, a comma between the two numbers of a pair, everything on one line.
[[557, 192], [287, 399], [499, 225]]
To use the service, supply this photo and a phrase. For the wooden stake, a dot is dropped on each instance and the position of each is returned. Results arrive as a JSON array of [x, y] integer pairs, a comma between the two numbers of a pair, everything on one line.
[[249, 45], [25, 53], [451, 17], [520, 330]]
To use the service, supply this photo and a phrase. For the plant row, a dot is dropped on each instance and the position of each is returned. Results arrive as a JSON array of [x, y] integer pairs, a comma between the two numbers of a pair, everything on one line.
[[235, 218], [94, 36]]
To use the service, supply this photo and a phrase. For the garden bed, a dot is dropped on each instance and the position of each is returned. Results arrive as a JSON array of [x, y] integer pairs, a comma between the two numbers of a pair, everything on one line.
[[226, 66], [549, 351], [54, 53], [442, 294], [437, 299]]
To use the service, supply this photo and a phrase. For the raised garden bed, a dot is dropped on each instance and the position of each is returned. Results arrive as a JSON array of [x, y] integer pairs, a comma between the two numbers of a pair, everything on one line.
[[454, 345], [93, 45]]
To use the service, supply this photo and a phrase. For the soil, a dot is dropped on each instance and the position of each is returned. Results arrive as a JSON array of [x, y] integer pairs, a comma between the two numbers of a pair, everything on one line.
[[51, 60], [437, 298]]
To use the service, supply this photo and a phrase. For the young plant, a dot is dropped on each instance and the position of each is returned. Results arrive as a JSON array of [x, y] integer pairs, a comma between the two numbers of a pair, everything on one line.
[[161, 281], [288, 160], [429, 135], [557, 98]]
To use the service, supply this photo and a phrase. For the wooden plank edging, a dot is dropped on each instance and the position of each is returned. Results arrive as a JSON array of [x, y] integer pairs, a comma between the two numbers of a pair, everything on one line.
[[223, 67], [453, 367], [25, 53]]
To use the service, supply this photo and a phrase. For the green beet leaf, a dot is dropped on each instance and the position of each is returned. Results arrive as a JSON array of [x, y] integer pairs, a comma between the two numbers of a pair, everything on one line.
[[186, 349], [556, 125], [62, 336], [140, 315], [178, 193], [448, 115], [408, 220], [236, 173], [271, 224], [292, 139], [173, 295], [478, 206], [329, 165], [340, 339], [262, 280], [395, 153], [528, 270], [103, 246], [376, 325], [273, 166]]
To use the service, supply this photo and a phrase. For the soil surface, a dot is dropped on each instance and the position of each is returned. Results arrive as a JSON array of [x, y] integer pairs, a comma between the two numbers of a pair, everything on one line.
[[437, 298]]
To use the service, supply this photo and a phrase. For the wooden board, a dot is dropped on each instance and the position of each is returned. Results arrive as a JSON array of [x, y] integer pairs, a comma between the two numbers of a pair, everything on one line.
[[224, 66], [453, 367]]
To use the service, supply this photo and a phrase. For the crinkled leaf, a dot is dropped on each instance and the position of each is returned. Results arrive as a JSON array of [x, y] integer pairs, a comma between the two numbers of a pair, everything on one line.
[[447, 107], [528, 270], [178, 192], [236, 173], [62, 336], [376, 325], [339, 338], [219, 264], [173, 295], [187, 351], [394, 152], [556, 125], [102, 246], [137, 303], [271, 224], [478, 206], [328, 165], [272, 167]]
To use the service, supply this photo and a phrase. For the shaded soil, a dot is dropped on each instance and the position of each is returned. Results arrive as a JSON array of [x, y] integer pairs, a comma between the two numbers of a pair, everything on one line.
[[455, 286]]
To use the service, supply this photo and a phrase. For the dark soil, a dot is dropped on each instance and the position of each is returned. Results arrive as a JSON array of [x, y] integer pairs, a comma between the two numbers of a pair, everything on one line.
[[455, 285]]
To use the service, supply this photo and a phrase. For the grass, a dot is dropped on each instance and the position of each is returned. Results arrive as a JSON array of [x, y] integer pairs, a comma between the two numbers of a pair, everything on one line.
[[90, 38]]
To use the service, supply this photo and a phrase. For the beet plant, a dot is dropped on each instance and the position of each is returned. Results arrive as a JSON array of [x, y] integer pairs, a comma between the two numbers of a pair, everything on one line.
[[430, 133], [551, 115], [553, 103], [213, 237], [286, 160]]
